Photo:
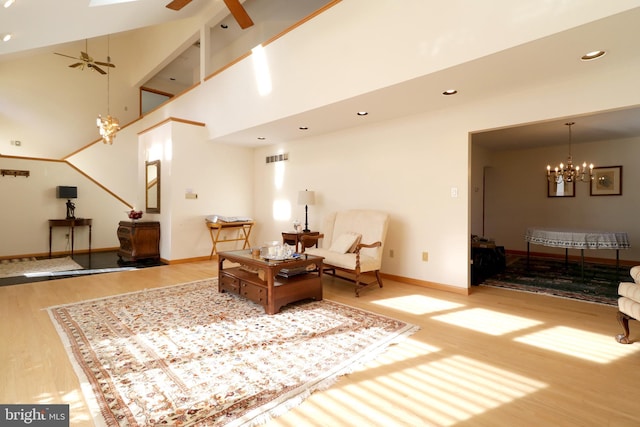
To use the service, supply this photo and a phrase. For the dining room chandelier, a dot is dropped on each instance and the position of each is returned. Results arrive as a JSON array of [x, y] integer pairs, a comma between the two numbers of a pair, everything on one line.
[[568, 172], [109, 125]]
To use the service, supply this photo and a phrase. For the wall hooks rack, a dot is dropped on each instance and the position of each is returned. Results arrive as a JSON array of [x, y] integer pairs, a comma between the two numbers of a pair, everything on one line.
[[14, 172]]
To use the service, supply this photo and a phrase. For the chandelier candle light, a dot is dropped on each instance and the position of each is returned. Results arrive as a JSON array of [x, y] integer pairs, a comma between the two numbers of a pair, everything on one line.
[[109, 125], [569, 172]]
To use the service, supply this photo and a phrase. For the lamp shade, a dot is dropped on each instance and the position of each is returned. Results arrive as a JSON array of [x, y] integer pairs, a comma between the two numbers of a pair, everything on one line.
[[306, 197], [66, 192]]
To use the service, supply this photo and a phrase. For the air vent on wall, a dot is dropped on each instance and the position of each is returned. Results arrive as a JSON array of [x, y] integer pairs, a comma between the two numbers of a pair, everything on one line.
[[277, 158]]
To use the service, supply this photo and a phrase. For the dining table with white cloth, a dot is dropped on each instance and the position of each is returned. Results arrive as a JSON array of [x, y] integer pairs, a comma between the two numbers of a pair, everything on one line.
[[582, 239]]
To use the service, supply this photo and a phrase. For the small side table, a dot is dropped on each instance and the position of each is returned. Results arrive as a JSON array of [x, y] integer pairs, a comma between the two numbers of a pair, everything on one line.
[[294, 238], [243, 227], [72, 223]]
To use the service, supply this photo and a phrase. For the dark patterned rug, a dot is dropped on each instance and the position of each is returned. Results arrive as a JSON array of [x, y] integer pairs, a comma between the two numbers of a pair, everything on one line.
[[554, 277]]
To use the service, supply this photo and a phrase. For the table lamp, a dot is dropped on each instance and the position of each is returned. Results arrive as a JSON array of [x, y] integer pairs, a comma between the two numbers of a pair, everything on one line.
[[67, 192], [306, 198]]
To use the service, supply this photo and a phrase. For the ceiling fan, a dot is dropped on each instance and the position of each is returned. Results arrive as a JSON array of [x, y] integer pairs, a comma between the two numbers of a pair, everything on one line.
[[236, 9], [86, 60]]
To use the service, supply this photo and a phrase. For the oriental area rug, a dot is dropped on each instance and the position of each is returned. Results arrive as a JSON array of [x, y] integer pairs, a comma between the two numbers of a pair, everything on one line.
[[22, 267], [191, 356], [554, 277]]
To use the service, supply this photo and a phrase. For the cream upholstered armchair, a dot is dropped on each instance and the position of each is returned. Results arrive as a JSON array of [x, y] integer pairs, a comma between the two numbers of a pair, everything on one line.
[[628, 304], [352, 242]]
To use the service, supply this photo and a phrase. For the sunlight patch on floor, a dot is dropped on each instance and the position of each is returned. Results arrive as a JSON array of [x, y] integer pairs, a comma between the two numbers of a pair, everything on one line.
[[574, 342], [443, 392], [409, 349], [487, 321], [418, 304], [77, 411], [44, 398]]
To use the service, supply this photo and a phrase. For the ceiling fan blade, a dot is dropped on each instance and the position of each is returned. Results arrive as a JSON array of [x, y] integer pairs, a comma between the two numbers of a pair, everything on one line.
[[77, 64], [105, 64], [67, 56], [85, 57], [178, 4], [98, 69], [239, 13]]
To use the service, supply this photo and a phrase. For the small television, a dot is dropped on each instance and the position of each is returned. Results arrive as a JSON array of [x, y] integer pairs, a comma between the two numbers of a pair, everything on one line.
[[65, 192]]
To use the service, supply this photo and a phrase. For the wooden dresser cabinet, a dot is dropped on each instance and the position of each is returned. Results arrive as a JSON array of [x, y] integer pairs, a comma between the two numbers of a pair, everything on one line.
[[139, 240]]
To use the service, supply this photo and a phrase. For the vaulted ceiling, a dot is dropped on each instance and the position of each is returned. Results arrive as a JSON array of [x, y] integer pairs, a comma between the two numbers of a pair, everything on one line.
[[41, 25]]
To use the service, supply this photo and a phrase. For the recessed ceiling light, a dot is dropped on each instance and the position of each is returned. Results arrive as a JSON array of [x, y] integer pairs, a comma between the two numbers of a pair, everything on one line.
[[8, 3], [362, 113], [593, 55], [172, 78], [6, 37], [303, 128], [450, 92], [262, 138]]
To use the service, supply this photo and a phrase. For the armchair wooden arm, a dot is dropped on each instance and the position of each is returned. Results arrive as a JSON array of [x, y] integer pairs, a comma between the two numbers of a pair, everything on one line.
[[364, 245], [357, 269]]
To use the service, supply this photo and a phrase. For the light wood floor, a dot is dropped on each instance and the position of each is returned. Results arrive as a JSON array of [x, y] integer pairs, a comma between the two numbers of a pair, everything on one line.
[[494, 358]]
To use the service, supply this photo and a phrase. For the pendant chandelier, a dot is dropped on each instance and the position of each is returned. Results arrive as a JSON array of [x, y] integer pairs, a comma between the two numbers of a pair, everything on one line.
[[569, 172], [109, 125]]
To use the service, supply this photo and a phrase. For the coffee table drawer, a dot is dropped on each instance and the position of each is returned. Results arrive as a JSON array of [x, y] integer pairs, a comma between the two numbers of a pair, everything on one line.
[[255, 293], [229, 283]]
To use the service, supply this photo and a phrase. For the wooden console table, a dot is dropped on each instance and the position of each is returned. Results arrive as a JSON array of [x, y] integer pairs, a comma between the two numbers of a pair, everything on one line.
[[215, 228], [71, 223], [272, 284]]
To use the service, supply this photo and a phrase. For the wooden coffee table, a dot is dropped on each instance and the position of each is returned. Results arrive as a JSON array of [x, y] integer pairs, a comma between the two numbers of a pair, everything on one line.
[[270, 283]]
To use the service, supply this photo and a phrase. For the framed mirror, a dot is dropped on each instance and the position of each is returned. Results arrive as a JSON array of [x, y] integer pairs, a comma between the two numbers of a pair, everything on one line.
[[152, 186]]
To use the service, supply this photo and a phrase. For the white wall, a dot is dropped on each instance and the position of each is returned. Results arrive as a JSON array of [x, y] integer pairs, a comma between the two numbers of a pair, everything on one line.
[[114, 166], [308, 71], [405, 166], [409, 165], [516, 193], [476, 196], [28, 204], [221, 176]]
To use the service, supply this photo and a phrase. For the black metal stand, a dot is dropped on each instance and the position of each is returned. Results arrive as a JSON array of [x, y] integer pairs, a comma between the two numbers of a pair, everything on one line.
[[71, 208], [306, 219]]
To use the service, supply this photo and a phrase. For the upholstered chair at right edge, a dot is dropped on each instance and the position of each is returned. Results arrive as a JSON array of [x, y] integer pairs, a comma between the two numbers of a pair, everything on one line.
[[628, 304]]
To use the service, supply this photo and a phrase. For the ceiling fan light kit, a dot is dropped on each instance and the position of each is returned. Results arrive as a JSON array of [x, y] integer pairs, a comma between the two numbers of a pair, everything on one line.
[[108, 126], [86, 60]]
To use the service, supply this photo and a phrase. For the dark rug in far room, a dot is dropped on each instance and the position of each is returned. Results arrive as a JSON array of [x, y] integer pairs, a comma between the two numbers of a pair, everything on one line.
[[554, 277]]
